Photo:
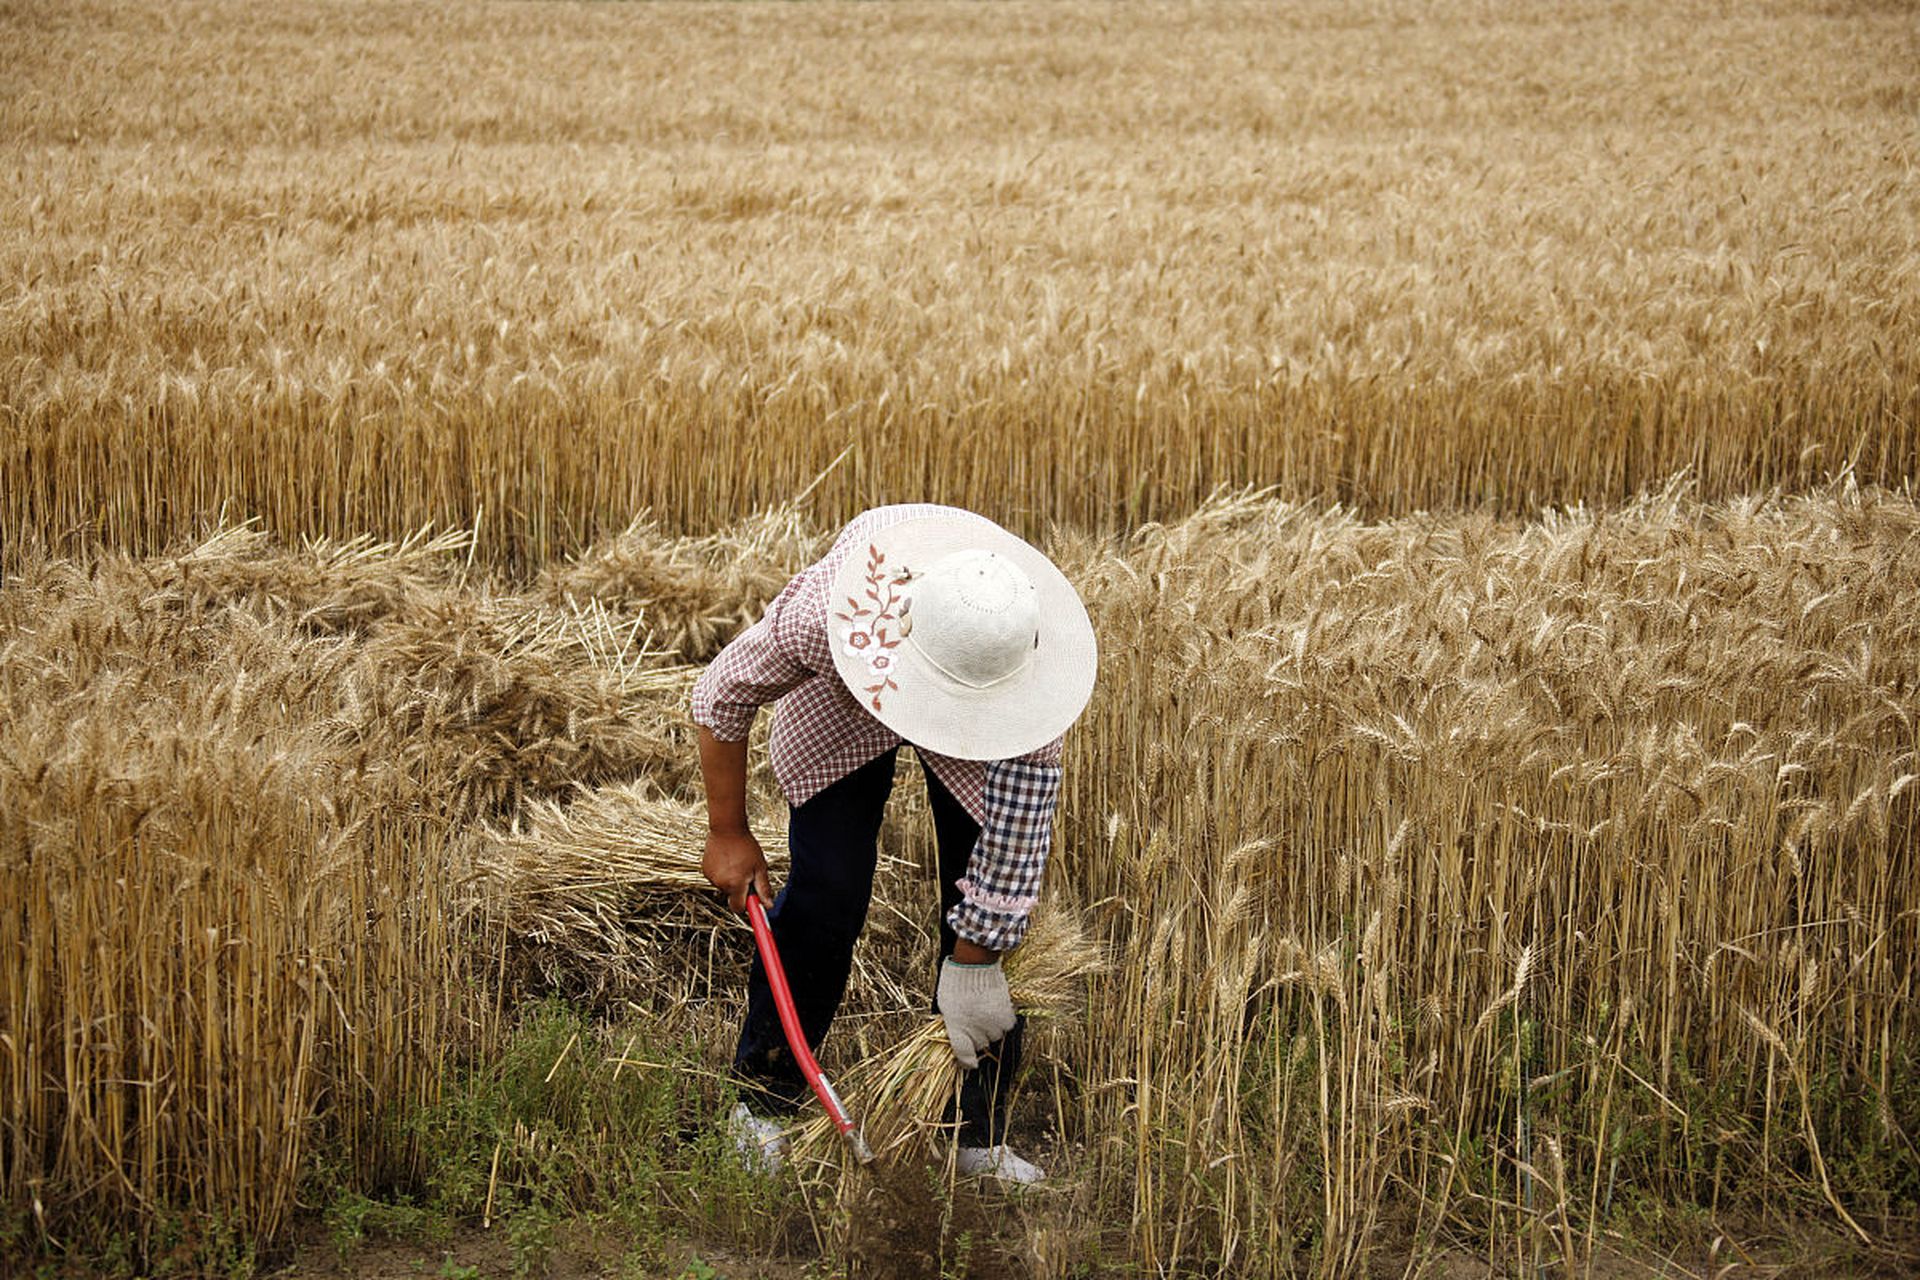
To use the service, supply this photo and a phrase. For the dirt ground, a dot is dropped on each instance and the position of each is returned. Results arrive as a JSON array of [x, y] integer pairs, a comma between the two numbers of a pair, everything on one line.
[[476, 1254], [580, 1254]]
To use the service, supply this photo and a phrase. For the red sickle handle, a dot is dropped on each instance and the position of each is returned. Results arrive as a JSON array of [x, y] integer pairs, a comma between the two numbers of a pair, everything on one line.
[[797, 1038]]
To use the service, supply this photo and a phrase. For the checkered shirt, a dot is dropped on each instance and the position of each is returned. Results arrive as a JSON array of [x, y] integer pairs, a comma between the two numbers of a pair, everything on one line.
[[821, 733]]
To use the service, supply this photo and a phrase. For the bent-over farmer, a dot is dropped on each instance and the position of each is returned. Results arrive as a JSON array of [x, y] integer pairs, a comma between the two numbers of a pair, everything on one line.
[[924, 625]]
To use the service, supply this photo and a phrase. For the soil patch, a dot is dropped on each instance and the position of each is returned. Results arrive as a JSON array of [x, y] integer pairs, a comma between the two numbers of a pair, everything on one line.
[[579, 1252]]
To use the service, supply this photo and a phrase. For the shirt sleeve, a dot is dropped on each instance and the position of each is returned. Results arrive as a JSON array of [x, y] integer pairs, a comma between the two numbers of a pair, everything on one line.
[[758, 666], [1048, 754], [1002, 883]]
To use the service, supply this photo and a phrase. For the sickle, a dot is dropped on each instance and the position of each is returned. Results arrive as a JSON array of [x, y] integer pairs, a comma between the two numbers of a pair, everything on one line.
[[796, 1038]]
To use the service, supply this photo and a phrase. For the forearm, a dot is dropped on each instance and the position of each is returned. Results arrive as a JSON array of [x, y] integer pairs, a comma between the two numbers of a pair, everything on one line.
[[733, 859], [967, 951], [723, 770]]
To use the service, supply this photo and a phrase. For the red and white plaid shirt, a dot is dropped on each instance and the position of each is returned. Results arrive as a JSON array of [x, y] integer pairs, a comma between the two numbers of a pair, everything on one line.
[[821, 733]]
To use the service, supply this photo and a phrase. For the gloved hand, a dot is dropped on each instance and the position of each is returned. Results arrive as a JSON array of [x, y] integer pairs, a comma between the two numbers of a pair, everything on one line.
[[976, 1007]]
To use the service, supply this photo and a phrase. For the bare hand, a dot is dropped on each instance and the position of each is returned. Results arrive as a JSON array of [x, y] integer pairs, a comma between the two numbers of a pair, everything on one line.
[[734, 862]]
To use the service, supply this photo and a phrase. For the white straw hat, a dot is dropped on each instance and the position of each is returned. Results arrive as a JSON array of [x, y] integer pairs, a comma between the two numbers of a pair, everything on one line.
[[961, 638]]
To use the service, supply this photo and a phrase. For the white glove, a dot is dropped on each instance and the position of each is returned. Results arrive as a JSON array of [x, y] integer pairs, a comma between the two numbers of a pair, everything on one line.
[[974, 1002]]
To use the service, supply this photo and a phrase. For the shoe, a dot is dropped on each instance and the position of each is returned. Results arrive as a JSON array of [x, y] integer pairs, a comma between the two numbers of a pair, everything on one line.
[[999, 1163], [760, 1140]]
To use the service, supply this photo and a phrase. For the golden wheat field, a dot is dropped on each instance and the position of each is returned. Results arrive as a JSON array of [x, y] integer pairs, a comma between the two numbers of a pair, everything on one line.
[[1484, 437], [351, 269]]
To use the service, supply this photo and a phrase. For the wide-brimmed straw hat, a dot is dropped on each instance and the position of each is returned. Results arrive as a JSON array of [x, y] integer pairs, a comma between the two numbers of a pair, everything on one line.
[[961, 637]]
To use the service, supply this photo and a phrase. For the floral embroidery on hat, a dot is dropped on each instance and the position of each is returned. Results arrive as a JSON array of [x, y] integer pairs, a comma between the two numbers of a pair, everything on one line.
[[872, 626], [859, 641]]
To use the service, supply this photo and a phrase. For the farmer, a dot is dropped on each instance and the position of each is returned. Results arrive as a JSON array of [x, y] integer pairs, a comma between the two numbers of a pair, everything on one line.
[[924, 625]]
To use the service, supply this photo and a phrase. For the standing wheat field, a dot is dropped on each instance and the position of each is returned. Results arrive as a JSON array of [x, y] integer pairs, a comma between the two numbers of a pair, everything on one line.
[[1484, 439], [356, 270]]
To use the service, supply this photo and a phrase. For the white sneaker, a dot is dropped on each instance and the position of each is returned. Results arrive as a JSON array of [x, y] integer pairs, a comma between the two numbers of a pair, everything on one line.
[[761, 1140], [999, 1163]]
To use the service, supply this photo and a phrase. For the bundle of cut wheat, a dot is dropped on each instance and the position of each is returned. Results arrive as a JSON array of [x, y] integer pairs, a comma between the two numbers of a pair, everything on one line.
[[525, 699], [325, 586], [900, 1095], [600, 884], [693, 594]]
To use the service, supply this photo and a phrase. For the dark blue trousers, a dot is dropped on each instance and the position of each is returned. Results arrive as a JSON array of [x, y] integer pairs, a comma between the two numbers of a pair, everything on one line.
[[834, 842]]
